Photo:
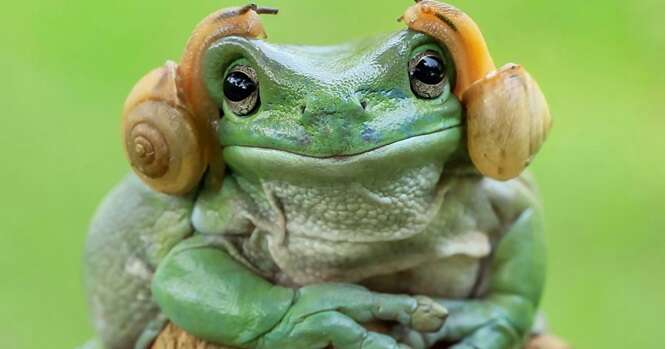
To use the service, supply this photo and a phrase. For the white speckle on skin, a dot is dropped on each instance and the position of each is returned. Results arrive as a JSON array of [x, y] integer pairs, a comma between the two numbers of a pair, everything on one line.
[[138, 269], [141, 296], [472, 244]]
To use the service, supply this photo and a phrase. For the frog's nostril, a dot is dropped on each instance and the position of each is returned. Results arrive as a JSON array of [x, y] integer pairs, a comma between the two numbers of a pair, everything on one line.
[[324, 107]]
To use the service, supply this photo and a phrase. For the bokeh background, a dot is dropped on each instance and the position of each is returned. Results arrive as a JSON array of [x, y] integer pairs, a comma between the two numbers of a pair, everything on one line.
[[66, 67]]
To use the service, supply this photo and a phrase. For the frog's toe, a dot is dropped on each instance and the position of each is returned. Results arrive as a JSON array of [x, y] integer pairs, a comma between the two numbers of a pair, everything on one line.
[[429, 315]]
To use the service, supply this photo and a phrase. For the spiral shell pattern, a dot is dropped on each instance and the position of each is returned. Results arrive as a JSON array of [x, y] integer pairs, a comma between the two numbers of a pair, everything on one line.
[[149, 152], [162, 142]]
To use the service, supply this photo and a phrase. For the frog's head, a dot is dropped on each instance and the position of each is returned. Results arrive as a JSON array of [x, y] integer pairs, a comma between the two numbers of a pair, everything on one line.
[[331, 101], [415, 89]]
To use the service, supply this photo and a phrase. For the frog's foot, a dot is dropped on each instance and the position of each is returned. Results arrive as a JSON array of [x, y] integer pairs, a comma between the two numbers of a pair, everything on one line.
[[173, 337], [352, 337], [333, 314], [336, 330], [419, 340], [419, 313]]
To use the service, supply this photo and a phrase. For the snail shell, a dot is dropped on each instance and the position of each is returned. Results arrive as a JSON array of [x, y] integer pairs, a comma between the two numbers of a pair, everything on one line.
[[507, 122], [161, 139]]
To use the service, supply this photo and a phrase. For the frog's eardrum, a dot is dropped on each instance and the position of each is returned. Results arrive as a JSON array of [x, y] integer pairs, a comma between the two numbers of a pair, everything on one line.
[[168, 118], [507, 115]]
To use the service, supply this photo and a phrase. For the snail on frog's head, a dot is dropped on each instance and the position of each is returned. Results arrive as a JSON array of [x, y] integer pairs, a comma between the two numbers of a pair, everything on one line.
[[169, 119]]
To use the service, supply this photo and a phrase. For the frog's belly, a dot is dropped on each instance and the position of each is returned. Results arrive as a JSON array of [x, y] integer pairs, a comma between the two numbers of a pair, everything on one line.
[[348, 231], [451, 277], [429, 265]]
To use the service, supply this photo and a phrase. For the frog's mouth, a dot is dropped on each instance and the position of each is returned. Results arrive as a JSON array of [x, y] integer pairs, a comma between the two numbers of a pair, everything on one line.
[[385, 145], [384, 160]]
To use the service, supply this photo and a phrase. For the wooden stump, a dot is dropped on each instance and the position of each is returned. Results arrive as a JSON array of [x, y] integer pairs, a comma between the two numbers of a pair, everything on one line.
[[174, 338]]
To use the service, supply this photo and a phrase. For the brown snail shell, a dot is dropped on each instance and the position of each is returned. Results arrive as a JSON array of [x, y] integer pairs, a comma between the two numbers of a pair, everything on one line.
[[507, 122], [161, 140]]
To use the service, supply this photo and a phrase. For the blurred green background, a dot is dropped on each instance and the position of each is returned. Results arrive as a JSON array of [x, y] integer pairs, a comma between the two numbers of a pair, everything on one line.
[[68, 65]]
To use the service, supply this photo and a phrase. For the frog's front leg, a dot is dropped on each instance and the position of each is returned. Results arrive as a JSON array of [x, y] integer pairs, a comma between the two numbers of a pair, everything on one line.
[[503, 317], [206, 292]]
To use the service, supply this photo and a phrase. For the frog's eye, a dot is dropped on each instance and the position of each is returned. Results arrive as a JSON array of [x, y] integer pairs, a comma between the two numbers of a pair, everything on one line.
[[427, 71], [241, 90]]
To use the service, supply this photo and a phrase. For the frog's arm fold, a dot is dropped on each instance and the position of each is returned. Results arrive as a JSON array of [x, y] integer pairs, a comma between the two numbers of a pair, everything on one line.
[[203, 290], [504, 315]]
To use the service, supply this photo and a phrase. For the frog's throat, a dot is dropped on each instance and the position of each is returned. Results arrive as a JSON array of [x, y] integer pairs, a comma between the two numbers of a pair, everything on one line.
[[382, 162], [386, 194]]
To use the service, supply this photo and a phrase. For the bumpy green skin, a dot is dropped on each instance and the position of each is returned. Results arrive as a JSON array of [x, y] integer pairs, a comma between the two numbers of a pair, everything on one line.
[[331, 215], [132, 232]]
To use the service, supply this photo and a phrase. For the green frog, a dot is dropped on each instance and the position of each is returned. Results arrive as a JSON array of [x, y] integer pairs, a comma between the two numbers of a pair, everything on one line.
[[288, 196]]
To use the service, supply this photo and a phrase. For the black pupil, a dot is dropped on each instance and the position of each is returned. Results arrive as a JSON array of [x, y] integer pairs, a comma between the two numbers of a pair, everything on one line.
[[238, 86], [429, 70]]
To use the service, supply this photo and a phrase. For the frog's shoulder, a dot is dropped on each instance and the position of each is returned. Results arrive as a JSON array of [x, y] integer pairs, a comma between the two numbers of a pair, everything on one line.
[[133, 229], [223, 210], [511, 198], [477, 210], [488, 203], [133, 215]]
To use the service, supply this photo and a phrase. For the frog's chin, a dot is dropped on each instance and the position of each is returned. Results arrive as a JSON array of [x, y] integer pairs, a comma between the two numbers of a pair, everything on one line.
[[384, 162]]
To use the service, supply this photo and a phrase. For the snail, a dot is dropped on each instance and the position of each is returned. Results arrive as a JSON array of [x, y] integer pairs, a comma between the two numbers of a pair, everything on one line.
[[169, 121], [507, 117]]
